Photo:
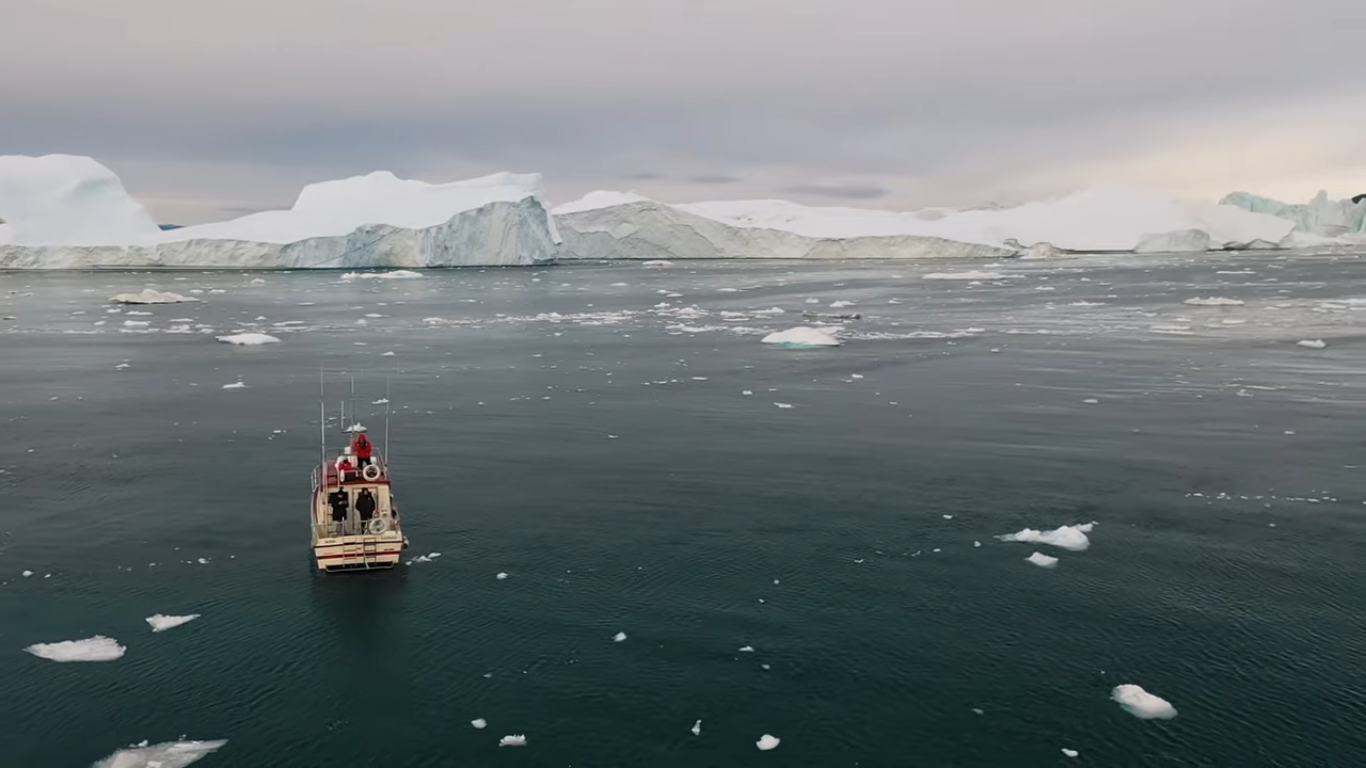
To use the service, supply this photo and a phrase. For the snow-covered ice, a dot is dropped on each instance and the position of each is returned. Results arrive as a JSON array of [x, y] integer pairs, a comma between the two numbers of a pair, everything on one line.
[[171, 754], [512, 741], [97, 648], [150, 296], [161, 623], [1072, 537], [1042, 560], [248, 339], [767, 742], [1142, 704], [802, 336]]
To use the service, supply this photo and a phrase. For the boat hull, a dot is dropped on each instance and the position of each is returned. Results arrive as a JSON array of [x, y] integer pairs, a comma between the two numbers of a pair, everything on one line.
[[357, 553]]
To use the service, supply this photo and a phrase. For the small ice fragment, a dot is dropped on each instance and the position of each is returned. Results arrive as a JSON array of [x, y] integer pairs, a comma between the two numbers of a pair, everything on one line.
[[977, 711], [1142, 704], [747, 649], [1214, 301], [855, 375], [1071, 537], [236, 385], [162, 623], [203, 561], [1312, 343], [1042, 560], [697, 728], [248, 339], [783, 405], [656, 263], [28, 574], [479, 723], [801, 337], [512, 741], [973, 275], [767, 742], [976, 543], [813, 300], [747, 392], [619, 637], [1073, 752], [97, 648], [948, 517], [502, 576]]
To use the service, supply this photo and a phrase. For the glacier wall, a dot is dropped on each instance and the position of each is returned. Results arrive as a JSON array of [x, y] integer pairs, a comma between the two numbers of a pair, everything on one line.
[[1320, 216], [645, 229], [501, 234]]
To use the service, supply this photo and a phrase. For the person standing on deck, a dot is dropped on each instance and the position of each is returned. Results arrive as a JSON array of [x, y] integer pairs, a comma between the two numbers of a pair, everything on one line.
[[362, 448], [365, 505]]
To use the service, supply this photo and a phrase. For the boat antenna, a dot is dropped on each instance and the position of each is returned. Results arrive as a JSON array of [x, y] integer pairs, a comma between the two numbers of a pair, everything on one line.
[[387, 458], [322, 416]]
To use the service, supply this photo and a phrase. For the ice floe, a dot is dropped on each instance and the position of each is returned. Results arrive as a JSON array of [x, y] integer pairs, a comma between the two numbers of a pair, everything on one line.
[[171, 754], [802, 336], [1312, 343], [161, 623], [236, 385], [620, 637], [1214, 301], [502, 576], [656, 263], [97, 648], [1142, 704], [1070, 752], [512, 741], [1071, 537], [767, 742], [398, 274], [697, 728], [150, 296], [248, 339], [1042, 560], [479, 723], [975, 274]]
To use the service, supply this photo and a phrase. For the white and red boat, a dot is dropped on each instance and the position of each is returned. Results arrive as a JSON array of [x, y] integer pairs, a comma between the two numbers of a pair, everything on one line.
[[354, 514]]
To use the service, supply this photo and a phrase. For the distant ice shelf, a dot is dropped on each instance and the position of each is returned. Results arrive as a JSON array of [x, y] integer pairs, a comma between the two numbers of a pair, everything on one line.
[[70, 212]]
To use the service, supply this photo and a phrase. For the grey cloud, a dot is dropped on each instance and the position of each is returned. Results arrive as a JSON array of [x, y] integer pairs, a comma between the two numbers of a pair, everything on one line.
[[847, 192]]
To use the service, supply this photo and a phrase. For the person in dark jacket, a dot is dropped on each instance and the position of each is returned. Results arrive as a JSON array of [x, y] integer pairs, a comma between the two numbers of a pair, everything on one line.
[[340, 507], [365, 504]]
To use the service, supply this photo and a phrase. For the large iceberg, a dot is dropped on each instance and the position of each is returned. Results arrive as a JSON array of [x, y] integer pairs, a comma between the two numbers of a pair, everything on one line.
[[624, 225], [1321, 217], [377, 220], [611, 225]]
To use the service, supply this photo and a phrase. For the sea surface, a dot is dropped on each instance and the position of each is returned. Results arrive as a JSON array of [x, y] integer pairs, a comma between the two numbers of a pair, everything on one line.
[[617, 440]]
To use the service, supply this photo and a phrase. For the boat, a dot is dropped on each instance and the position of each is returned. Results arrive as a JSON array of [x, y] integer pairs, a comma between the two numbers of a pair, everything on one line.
[[363, 533]]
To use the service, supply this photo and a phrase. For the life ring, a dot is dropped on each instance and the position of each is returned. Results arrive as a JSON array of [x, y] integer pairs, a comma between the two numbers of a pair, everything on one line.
[[368, 474], [376, 526]]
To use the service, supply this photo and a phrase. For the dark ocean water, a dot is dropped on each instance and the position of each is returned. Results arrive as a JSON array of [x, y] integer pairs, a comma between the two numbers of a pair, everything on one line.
[[557, 426]]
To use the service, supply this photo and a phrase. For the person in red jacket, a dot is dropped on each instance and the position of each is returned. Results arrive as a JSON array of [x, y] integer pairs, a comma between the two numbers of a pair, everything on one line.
[[362, 448]]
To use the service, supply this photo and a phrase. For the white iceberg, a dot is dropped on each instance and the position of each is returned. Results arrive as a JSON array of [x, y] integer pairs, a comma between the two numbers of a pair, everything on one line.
[[1042, 560], [767, 742], [150, 296], [802, 336], [1142, 704], [161, 623], [172, 754], [97, 648], [1071, 537], [248, 339], [1320, 217], [65, 212]]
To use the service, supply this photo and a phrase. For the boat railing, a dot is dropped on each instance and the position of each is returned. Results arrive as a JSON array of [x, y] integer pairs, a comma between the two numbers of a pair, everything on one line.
[[354, 526]]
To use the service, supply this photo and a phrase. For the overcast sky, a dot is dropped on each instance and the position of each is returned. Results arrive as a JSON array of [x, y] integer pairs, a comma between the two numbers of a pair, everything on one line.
[[212, 109]]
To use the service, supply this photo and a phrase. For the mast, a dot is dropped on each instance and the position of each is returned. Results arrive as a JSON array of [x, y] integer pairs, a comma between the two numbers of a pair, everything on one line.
[[387, 406], [322, 418]]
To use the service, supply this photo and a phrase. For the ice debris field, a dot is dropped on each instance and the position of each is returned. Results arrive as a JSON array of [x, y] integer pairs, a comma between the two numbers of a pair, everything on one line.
[[71, 212]]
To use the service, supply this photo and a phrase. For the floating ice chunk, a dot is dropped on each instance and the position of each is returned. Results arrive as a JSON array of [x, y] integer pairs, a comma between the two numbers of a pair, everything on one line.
[[398, 274], [512, 741], [1090, 401], [1312, 343], [770, 311], [747, 649], [972, 275], [171, 754], [161, 623], [841, 303], [387, 354], [976, 543], [1214, 301], [801, 336], [1042, 560], [656, 263], [97, 648], [238, 385], [747, 392], [620, 637], [381, 401], [783, 405], [134, 313], [248, 339], [27, 574], [767, 742], [150, 296], [135, 323], [697, 728], [1142, 704], [813, 300], [1071, 537], [502, 576], [1070, 752], [479, 723]]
